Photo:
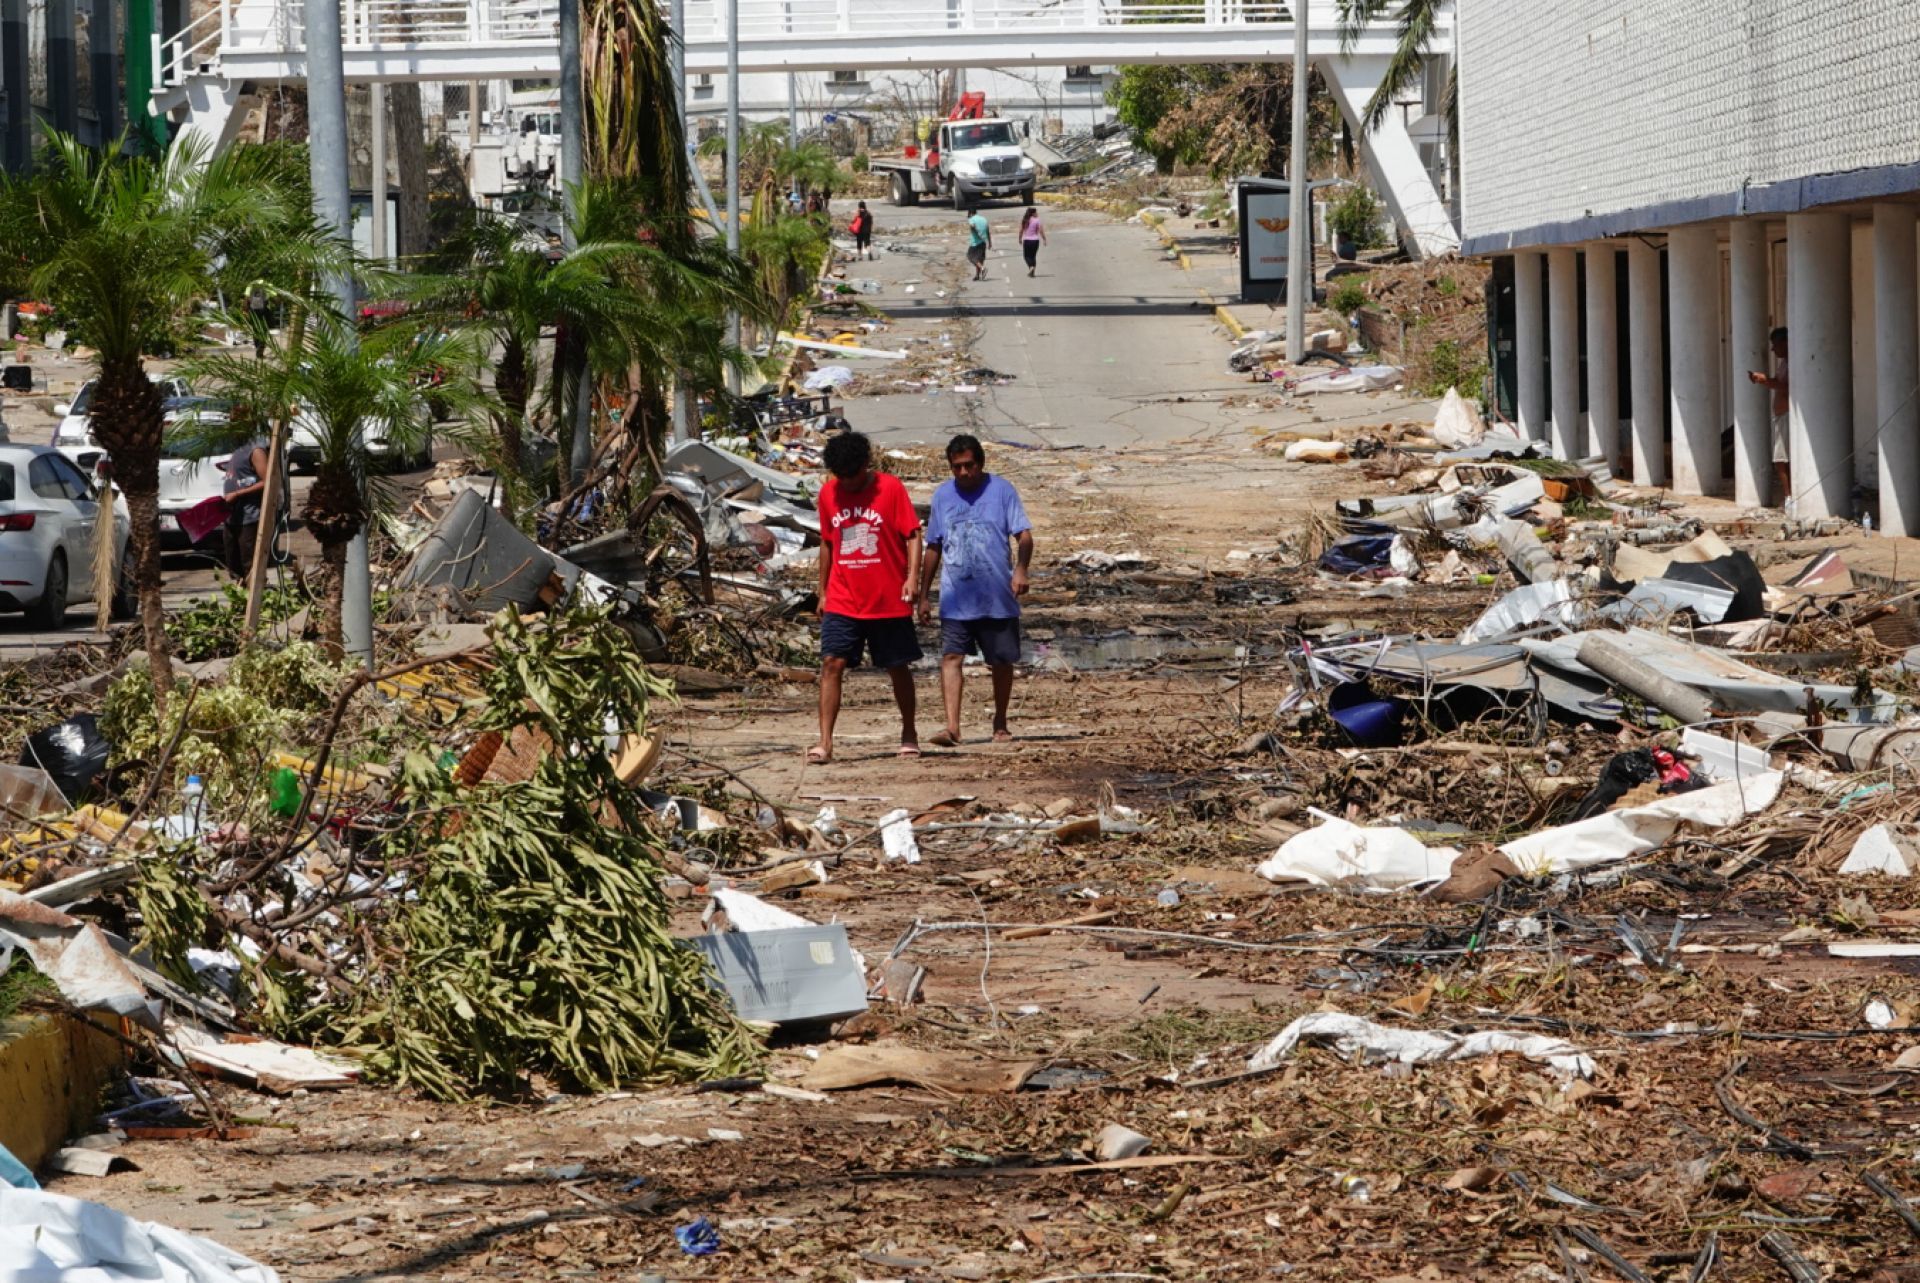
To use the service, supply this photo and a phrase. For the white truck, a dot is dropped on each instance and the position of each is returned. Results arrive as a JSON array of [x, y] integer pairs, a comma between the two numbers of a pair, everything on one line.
[[967, 161]]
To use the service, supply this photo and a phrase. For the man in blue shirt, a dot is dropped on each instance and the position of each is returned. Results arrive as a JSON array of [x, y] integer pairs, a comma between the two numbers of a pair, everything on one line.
[[979, 241], [981, 583]]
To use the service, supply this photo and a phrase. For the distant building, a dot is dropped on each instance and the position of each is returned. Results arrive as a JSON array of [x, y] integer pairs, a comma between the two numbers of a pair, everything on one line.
[[1662, 183], [60, 62]]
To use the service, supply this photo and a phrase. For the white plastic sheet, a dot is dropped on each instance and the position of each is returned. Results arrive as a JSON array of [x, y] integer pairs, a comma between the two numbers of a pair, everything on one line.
[[50, 1238], [1885, 848], [1339, 853], [1353, 1035], [1635, 830]]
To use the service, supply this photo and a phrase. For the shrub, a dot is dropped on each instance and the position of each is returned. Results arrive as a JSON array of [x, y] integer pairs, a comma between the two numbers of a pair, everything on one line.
[[861, 162], [1356, 217], [1347, 296]]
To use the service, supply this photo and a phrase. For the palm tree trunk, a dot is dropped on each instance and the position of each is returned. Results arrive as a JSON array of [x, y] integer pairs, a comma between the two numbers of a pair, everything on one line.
[[143, 542], [333, 558], [410, 151]]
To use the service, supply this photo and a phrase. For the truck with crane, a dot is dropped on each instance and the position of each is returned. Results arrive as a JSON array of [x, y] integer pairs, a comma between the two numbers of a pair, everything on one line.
[[968, 157]]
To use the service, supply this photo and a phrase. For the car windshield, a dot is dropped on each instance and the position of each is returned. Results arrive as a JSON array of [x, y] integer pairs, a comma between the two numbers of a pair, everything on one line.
[[997, 134], [83, 402]]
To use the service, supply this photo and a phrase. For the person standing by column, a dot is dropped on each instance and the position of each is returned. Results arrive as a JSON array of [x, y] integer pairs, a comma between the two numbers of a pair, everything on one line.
[[972, 518], [979, 241], [1032, 237], [1782, 470], [869, 583]]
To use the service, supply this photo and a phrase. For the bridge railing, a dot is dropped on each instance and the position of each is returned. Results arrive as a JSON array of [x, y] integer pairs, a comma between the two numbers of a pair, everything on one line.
[[277, 26]]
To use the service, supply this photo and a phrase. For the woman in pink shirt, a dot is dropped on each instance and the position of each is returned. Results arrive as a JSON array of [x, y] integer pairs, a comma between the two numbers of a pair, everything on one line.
[[1032, 236]]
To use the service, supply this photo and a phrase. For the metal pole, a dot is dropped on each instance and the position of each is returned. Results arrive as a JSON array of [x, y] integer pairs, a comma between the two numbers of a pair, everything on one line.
[[573, 150], [733, 168], [327, 168], [1300, 208], [682, 409], [377, 92]]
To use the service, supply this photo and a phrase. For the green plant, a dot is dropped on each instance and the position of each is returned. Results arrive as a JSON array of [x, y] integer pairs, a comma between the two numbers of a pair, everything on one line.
[[1451, 364], [1355, 217], [230, 727], [862, 162], [535, 936], [21, 984], [210, 628], [1347, 296]]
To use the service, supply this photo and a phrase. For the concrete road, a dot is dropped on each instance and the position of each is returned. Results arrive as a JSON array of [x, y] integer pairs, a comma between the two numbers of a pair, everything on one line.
[[1109, 344]]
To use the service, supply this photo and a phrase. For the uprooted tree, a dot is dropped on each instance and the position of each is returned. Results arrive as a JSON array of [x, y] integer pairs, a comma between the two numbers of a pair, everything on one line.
[[486, 929]]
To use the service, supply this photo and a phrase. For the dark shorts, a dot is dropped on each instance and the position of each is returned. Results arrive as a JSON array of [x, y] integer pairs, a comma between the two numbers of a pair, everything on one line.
[[997, 640], [862, 239], [976, 254], [891, 642]]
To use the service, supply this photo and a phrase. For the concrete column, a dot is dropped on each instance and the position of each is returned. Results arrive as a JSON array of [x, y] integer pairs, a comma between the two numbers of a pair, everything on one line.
[[1752, 403], [62, 89], [1645, 340], [1820, 363], [1897, 320], [1563, 325], [1603, 352], [1693, 306], [103, 46], [1866, 362], [16, 116], [1529, 344]]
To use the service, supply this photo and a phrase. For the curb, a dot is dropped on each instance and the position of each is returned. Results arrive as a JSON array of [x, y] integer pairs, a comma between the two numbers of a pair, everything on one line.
[[1220, 312]]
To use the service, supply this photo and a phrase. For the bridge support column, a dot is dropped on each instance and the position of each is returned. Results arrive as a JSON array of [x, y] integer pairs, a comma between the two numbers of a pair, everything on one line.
[[1426, 224]]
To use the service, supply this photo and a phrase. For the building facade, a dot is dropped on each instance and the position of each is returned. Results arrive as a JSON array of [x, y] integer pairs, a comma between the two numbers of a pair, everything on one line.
[[61, 63], [1661, 186]]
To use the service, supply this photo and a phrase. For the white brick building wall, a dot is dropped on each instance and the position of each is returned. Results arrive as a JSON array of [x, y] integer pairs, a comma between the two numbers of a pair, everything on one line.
[[1590, 117]]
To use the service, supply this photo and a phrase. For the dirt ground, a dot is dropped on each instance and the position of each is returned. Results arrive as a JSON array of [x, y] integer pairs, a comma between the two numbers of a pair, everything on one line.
[[1742, 1103]]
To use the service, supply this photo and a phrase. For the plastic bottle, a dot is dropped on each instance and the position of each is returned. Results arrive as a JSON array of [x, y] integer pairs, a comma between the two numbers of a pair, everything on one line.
[[195, 809], [1866, 522]]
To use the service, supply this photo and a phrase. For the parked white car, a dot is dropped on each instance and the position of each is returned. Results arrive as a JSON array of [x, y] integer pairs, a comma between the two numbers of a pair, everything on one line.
[[48, 508], [73, 436], [303, 445], [186, 480]]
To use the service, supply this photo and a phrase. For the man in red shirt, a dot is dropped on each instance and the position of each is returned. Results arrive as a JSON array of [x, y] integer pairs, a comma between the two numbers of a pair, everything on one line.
[[869, 583]]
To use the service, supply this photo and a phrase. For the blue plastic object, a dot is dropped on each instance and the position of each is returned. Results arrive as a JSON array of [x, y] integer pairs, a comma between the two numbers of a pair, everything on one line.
[[14, 1172], [699, 1238], [1368, 720]]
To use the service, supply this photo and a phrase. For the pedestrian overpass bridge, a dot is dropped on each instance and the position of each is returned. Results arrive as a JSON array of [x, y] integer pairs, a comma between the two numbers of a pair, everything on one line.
[[234, 46]]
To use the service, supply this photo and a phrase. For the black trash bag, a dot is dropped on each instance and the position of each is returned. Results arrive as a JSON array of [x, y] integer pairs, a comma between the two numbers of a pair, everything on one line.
[[73, 752], [1623, 771]]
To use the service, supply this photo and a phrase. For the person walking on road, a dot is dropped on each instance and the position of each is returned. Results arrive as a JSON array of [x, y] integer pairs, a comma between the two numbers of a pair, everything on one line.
[[861, 225], [1032, 237], [979, 241], [973, 516], [869, 583]]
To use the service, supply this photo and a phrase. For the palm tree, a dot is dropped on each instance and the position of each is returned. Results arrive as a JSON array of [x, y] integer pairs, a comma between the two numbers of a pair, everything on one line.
[[340, 385], [122, 245], [1417, 20], [633, 128]]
